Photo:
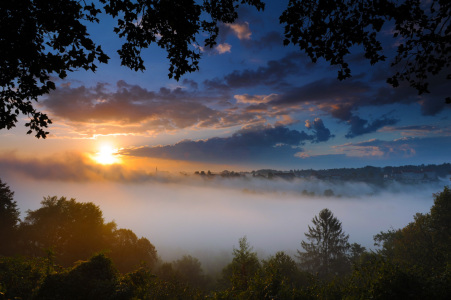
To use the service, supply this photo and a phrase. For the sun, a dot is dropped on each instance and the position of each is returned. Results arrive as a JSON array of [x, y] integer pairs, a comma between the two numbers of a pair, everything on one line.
[[106, 155]]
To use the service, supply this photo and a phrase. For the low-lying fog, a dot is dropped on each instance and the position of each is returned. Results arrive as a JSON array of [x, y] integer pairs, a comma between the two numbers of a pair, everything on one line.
[[205, 218]]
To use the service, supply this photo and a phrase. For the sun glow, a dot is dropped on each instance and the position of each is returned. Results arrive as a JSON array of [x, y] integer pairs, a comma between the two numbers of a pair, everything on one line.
[[106, 155]]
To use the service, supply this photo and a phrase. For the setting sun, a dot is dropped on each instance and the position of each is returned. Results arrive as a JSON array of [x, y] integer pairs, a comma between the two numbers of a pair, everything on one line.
[[106, 155]]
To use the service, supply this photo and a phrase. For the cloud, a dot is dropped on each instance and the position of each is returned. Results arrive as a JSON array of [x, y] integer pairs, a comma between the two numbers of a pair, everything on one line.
[[433, 148], [250, 144], [272, 38], [360, 126], [420, 130], [322, 134], [254, 99], [272, 74], [302, 155], [131, 109], [328, 91], [240, 30], [223, 48]]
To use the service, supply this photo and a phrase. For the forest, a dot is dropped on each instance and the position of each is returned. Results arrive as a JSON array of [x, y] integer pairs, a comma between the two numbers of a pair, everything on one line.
[[66, 250]]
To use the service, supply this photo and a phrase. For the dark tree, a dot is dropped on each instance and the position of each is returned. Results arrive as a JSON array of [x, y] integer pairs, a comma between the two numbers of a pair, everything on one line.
[[41, 39], [9, 219], [70, 229], [190, 271], [328, 29], [423, 243], [244, 266], [93, 279], [128, 251], [325, 253]]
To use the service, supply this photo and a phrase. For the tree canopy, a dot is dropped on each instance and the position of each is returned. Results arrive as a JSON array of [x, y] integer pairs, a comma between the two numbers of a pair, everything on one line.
[[41, 40], [71, 230]]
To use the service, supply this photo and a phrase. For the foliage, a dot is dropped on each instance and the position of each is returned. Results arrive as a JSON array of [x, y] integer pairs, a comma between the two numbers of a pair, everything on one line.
[[378, 278], [128, 252], [93, 279], [20, 278], [141, 284], [328, 246], [71, 229], [278, 278], [422, 247], [423, 243], [75, 231], [329, 29], [190, 272], [9, 219], [46, 38], [356, 251], [244, 265], [40, 39]]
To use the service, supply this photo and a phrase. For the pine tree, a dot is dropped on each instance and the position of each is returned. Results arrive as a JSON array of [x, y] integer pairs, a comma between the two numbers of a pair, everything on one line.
[[325, 253]]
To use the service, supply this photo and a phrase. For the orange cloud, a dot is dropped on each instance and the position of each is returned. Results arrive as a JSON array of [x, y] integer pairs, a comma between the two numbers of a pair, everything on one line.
[[242, 30]]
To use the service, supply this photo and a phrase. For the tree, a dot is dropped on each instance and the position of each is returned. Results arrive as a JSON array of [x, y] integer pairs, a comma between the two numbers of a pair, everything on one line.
[[21, 277], [9, 219], [356, 251], [277, 278], [128, 252], [93, 279], [72, 230], [328, 29], [42, 39], [190, 271], [325, 253], [244, 266], [423, 243]]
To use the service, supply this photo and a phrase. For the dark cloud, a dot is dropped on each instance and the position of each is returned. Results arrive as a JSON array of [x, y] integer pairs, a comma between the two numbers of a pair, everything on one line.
[[360, 126], [273, 73], [326, 91], [430, 106], [193, 84], [249, 145], [322, 134]]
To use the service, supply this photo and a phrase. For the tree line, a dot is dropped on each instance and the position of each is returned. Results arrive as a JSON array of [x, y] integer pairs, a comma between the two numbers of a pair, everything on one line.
[[65, 250]]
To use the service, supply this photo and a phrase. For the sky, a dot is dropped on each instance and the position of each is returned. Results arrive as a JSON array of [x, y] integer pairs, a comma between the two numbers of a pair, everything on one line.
[[253, 104]]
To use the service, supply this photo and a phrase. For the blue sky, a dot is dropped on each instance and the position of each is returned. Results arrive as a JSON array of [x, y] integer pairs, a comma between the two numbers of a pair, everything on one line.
[[253, 104]]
